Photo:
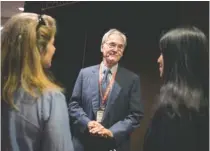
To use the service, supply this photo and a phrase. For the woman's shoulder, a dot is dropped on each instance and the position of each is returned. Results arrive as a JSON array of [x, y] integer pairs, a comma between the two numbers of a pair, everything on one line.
[[50, 96], [51, 100], [180, 113], [52, 93]]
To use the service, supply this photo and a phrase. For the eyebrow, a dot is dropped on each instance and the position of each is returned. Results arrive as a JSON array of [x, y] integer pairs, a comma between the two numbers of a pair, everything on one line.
[[116, 43]]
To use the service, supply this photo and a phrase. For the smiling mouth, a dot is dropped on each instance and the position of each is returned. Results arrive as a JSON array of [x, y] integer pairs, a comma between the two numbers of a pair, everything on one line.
[[112, 53]]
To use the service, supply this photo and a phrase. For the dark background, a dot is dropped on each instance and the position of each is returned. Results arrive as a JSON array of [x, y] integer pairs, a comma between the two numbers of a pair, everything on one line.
[[81, 26]]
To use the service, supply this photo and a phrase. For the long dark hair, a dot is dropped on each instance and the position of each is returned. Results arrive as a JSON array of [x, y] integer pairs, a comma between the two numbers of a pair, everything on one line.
[[185, 73]]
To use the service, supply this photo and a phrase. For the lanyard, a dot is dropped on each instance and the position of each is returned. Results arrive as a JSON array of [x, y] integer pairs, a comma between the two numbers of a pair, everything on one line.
[[104, 98]]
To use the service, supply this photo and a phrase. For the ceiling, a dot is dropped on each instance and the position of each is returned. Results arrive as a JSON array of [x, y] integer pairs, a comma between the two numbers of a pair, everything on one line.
[[9, 8]]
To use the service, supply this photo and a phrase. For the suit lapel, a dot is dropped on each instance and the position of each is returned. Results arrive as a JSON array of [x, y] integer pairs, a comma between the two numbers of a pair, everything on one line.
[[116, 88], [95, 89]]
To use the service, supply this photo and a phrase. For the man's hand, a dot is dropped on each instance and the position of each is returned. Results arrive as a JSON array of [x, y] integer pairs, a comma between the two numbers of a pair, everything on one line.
[[101, 131], [93, 124], [105, 133], [96, 128]]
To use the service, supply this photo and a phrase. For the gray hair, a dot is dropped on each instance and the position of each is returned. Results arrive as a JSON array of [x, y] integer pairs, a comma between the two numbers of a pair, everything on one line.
[[111, 32]]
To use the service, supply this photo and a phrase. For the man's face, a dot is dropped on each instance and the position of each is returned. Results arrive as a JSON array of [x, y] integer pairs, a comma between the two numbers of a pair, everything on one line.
[[113, 49]]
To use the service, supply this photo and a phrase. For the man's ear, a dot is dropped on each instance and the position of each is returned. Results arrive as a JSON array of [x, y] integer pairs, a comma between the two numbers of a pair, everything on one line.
[[102, 48]]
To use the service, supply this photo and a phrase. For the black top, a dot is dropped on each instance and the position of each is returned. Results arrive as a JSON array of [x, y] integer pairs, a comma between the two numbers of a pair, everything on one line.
[[170, 132]]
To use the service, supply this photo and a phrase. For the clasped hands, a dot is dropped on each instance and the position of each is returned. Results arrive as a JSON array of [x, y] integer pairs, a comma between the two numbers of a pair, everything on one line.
[[96, 128]]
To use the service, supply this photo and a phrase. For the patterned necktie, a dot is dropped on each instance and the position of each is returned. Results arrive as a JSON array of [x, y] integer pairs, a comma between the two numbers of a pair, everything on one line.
[[105, 80]]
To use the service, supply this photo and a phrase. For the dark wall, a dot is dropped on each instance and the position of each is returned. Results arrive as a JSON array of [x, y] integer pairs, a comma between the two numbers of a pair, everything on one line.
[[81, 26]]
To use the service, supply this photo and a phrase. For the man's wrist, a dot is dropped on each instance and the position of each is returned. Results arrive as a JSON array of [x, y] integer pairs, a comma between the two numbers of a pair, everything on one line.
[[110, 133]]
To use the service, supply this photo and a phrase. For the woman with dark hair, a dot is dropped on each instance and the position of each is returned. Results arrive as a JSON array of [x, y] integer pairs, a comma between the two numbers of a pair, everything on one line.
[[180, 121]]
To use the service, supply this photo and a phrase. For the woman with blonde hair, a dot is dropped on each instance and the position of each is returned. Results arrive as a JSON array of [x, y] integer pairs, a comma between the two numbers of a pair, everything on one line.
[[34, 113]]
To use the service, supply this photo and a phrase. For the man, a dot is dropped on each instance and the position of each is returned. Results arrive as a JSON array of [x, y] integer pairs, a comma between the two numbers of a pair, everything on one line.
[[105, 106]]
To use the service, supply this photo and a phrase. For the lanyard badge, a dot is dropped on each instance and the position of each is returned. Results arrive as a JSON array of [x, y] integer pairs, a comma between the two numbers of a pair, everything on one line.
[[100, 112]]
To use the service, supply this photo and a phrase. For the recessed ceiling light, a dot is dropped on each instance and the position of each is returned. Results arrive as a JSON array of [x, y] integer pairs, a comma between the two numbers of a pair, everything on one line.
[[21, 9]]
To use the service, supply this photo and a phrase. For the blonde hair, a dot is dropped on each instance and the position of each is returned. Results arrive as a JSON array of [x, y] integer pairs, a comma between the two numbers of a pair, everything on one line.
[[21, 47]]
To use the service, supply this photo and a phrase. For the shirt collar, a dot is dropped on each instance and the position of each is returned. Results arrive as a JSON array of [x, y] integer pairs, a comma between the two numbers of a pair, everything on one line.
[[113, 69]]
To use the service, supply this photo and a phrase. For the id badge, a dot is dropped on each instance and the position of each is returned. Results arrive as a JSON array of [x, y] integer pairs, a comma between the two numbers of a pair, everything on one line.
[[99, 115]]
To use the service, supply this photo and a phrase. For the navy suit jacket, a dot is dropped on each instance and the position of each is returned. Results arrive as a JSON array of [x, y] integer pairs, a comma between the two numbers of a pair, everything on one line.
[[122, 115]]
